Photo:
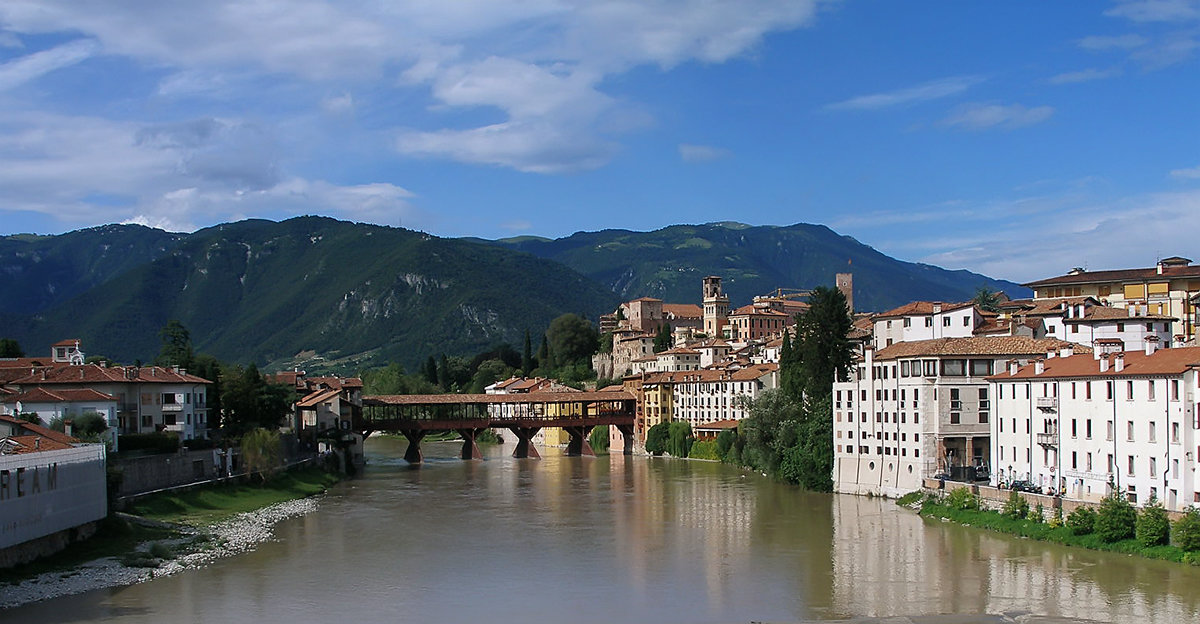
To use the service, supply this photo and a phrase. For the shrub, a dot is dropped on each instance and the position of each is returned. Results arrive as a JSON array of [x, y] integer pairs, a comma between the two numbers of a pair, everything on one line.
[[962, 499], [1116, 519], [1186, 531], [725, 441], [1082, 521], [1152, 527], [704, 449], [1056, 519], [1039, 514], [657, 438], [1016, 507]]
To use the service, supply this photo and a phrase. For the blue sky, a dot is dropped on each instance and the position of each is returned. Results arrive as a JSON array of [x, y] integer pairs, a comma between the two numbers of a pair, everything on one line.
[[1016, 139]]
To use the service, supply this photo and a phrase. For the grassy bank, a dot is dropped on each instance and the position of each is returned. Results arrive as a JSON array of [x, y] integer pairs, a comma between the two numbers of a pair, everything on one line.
[[114, 538], [204, 506], [934, 507]]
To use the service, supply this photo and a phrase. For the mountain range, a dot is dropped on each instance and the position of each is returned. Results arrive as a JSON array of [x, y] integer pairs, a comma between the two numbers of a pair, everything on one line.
[[337, 296]]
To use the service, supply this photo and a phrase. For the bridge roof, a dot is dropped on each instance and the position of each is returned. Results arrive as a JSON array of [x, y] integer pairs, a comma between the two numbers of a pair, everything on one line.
[[484, 399]]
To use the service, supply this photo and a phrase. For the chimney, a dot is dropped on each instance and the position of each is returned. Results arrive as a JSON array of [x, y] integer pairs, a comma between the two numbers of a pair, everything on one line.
[[937, 308], [1160, 267], [1151, 345], [37, 442], [1104, 363], [68, 425], [1012, 367], [1039, 366], [1050, 353], [1066, 351], [1118, 362]]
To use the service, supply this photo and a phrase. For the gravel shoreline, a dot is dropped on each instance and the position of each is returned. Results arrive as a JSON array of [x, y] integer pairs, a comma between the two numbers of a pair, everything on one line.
[[230, 537]]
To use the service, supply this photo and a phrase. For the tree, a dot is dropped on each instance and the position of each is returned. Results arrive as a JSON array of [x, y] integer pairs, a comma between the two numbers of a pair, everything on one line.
[[789, 369], [725, 441], [176, 345], [657, 438], [430, 371], [679, 438], [987, 299], [10, 348], [262, 452], [1153, 528], [527, 356], [572, 340], [1116, 520], [207, 367], [822, 349], [392, 379], [770, 428], [598, 439], [1186, 531], [249, 402], [488, 373], [663, 339]]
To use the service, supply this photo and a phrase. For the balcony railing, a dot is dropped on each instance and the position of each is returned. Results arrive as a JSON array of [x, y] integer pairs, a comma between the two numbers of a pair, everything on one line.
[[1047, 404], [1047, 439]]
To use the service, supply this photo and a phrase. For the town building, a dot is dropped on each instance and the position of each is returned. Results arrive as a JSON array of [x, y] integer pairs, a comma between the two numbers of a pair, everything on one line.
[[1082, 320], [704, 396], [917, 409], [64, 405], [716, 307], [1088, 425], [1167, 289], [324, 413]]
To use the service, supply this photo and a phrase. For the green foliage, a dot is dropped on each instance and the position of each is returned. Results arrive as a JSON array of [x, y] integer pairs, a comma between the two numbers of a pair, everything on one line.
[[962, 498], [488, 373], [1038, 514], [527, 354], [663, 339], [1152, 527], [176, 345], [89, 426], [262, 452], [148, 442], [910, 499], [657, 438], [1016, 507], [572, 340], [1082, 521], [10, 348], [679, 439], [725, 442], [392, 379], [704, 449], [249, 402], [822, 349], [1056, 519], [987, 299], [789, 439], [769, 429], [30, 417], [207, 367], [1116, 519], [1186, 530], [598, 439]]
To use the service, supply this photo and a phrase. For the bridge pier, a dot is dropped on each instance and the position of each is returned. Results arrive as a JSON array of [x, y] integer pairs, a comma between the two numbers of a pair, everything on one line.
[[579, 444], [414, 436], [525, 448], [470, 450], [627, 437]]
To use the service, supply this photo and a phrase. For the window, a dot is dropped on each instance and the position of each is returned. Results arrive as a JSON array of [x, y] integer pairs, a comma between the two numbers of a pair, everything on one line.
[[904, 368], [929, 321], [1072, 390], [1074, 460], [1108, 430], [955, 401], [1129, 390], [1129, 431], [954, 418], [954, 368], [908, 322], [1087, 390], [966, 321], [1150, 389], [1175, 433], [1153, 466], [930, 368], [1088, 429], [1074, 428], [1153, 432], [1131, 466], [1174, 389], [945, 321], [981, 368], [1108, 390]]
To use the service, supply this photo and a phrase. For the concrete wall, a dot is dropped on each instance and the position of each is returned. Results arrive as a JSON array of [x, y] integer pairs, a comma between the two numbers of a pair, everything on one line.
[[50, 491], [155, 472]]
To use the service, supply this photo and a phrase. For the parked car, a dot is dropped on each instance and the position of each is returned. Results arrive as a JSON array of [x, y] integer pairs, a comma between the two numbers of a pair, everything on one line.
[[1025, 486]]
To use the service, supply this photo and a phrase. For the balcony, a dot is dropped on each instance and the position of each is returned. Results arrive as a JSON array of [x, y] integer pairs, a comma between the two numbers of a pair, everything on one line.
[[1047, 404], [172, 407], [1049, 440]]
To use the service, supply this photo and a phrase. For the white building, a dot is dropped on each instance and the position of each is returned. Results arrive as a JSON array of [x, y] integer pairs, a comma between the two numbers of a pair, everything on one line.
[[66, 405], [1087, 425], [925, 320], [915, 409]]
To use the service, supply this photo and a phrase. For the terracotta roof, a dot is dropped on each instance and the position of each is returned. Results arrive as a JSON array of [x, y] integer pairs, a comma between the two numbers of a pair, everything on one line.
[[752, 310], [683, 310], [680, 351], [978, 345], [1120, 275], [318, 397], [483, 399], [26, 428], [66, 343], [645, 299], [921, 308], [707, 375], [43, 395], [1137, 363], [24, 444], [27, 362], [94, 373], [720, 424]]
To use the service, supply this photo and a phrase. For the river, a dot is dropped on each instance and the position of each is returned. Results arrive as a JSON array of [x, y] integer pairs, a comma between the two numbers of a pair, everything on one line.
[[628, 539]]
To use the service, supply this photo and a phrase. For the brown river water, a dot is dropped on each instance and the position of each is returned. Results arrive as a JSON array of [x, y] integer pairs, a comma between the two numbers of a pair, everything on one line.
[[629, 539]]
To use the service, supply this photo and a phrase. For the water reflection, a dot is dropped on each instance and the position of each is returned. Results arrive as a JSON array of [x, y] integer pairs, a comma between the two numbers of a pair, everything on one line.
[[628, 539]]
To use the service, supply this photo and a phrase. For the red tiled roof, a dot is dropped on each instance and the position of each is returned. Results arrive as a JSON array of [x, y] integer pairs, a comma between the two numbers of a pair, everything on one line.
[[533, 397], [66, 343], [318, 397], [43, 395], [1137, 363], [720, 424], [978, 345], [26, 362], [1120, 275], [683, 310], [706, 375], [921, 308], [94, 373], [24, 444], [37, 430]]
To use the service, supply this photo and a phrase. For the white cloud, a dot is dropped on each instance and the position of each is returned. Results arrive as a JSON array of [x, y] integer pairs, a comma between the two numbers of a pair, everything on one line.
[[934, 90], [984, 116], [529, 146], [1174, 49], [1156, 10], [519, 225], [338, 104], [701, 153], [1112, 42], [191, 83], [9, 40], [32, 66], [1086, 75], [1186, 174]]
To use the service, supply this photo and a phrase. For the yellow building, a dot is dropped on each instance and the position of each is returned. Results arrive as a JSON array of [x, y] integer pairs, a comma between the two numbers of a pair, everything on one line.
[[1166, 289]]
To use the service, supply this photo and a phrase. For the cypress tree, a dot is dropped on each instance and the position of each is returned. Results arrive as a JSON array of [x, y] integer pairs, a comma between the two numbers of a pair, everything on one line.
[[527, 356]]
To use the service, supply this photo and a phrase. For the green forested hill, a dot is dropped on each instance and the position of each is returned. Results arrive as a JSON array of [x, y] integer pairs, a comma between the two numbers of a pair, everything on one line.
[[751, 260], [265, 291]]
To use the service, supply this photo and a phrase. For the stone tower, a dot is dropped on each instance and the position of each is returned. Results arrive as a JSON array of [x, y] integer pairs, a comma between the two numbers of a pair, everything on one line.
[[716, 307], [845, 283]]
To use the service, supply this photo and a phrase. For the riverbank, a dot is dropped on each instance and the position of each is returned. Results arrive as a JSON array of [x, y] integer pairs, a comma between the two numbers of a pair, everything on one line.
[[940, 508], [169, 533]]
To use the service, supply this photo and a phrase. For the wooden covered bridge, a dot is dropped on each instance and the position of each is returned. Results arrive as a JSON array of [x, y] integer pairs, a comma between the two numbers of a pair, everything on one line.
[[577, 413]]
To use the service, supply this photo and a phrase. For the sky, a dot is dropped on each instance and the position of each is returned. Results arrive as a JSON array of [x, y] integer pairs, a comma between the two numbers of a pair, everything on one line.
[[1017, 139]]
